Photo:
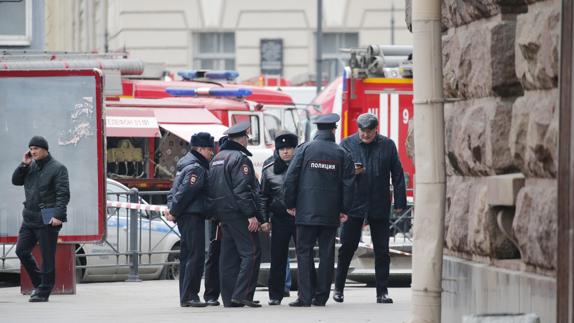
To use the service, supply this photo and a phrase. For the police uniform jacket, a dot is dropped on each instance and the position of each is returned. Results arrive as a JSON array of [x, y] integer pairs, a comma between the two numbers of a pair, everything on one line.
[[46, 185], [233, 187], [381, 163], [188, 193], [272, 179], [319, 181]]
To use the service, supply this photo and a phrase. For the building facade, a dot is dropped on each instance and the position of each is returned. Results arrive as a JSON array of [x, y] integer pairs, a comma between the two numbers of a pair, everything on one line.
[[22, 25], [226, 34], [501, 70]]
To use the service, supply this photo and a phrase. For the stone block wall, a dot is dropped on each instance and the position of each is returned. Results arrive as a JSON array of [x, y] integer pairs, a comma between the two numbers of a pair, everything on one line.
[[500, 68]]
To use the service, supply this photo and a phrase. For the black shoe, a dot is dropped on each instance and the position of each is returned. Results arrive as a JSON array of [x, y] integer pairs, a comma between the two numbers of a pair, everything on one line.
[[37, 298], [385, 299], [338, 297], [193, 303], [35, 292], [212, 302], [246, 302], [274, 302], [286, 294], [316, 302], [299, 303], [197, 303], [256, 301], [232, 304]]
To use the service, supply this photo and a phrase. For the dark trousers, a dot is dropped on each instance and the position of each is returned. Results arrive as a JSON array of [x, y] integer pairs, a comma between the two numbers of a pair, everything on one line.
[[46, 236], [212, 264], [239, 261], [283, 229], [307, 235], [192, 255], [350, 236]]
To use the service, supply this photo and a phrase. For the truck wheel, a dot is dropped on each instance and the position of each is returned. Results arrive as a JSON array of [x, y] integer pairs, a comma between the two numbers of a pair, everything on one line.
[[80, 261]]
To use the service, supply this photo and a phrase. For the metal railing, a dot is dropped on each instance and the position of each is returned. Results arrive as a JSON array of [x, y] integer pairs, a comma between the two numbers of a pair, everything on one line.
[[5, 250], [139, 245]]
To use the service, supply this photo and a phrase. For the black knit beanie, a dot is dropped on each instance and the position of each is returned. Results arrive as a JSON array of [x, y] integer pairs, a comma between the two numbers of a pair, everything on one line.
[[38, 141]]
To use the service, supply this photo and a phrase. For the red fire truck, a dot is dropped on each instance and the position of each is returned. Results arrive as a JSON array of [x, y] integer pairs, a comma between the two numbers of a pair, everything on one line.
[[177, 107], [378, 80]]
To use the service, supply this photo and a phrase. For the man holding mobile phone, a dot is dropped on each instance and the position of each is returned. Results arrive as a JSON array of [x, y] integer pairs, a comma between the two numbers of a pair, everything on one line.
[[376, 165], [47, 192]]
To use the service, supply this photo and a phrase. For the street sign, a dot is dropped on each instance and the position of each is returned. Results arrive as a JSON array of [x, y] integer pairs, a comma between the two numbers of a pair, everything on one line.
[[271, 56]]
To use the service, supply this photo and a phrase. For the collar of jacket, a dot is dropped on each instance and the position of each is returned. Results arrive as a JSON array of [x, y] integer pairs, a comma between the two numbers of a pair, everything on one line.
[[232, 145], [279, 165], [326, 135], [43, 161], [200, 159], [377, 140]]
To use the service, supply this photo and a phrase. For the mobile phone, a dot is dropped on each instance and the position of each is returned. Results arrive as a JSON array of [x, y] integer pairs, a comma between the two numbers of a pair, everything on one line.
[[29, 154]]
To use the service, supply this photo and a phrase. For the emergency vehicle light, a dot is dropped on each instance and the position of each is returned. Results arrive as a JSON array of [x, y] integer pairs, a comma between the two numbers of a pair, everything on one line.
[[238, 92], [189, 75]]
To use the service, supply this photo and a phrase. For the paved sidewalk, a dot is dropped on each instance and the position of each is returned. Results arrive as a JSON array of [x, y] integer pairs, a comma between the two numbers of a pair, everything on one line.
[[157, 301]]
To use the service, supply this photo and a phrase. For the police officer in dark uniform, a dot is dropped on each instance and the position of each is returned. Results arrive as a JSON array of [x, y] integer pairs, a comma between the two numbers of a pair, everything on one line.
[[211, 292], [211, 279], [187, 206], [376, 163], [273, 208], [234, 198], [318, 191]]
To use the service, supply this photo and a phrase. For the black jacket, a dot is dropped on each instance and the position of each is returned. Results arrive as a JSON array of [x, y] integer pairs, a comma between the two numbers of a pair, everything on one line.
[[46, 185], [233, 187], [272, 178], [188, 193], [380, 160], [319, 181]]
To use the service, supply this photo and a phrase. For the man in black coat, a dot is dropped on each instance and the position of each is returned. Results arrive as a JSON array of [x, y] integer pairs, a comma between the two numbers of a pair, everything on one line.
[[234, 200], [376, 163], [211, 279], [273, 208], [318, 192], [187, 201], [47, 191]]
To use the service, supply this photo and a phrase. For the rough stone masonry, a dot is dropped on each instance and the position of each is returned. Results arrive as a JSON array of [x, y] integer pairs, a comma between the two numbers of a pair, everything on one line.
[[500, 69]]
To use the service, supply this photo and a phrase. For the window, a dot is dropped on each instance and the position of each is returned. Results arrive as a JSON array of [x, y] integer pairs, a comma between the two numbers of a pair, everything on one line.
[[279, 119], [214, 51], [333, 59], [15, 23], [253, 132], [272, 125]]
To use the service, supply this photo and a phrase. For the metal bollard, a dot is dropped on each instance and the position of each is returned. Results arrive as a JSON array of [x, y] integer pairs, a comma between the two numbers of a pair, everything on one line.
[[133, 229]]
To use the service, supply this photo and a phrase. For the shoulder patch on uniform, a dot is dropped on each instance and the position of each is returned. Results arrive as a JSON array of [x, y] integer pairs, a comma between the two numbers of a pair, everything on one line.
[[193, 179], [245, 169]]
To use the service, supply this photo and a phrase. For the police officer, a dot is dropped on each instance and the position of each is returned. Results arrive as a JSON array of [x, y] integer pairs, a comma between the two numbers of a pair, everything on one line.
[[376, 163], [211, 292], [47, 191], [273, 208], [318, 191], [187, 206], [211, 279], [234, 197]]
